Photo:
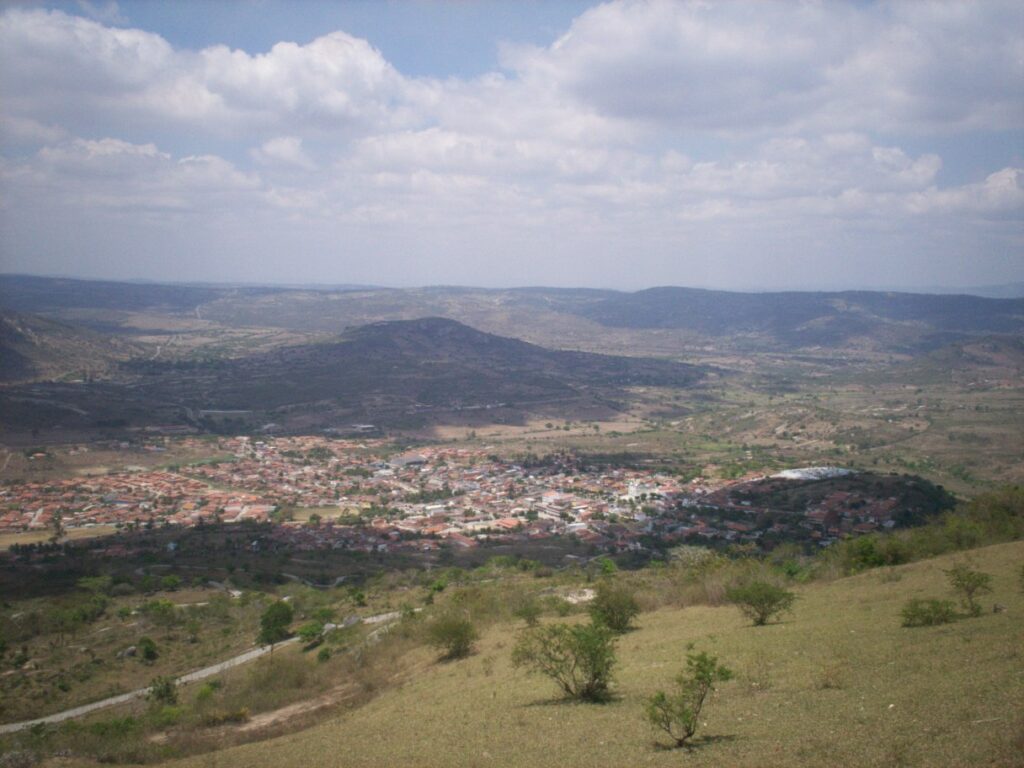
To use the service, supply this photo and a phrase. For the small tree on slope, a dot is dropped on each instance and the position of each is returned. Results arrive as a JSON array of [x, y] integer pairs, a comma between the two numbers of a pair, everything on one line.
[[678, 713]]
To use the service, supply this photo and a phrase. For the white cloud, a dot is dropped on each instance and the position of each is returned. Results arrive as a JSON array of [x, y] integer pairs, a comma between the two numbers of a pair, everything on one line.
[[649, 137], [284, 149], [736, 67], [82, 74]]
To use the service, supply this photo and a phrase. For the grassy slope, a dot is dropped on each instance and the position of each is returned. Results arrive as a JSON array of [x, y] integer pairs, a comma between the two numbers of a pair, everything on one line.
[[950, 695]]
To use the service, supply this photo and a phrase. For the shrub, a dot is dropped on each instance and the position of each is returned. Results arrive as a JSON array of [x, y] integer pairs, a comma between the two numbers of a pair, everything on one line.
[[969, 584], [578, 658], [163, 690], [928, 613], [452, 633], [324, 655], [528, 609], [226, 717], [170, 583], [311, 631], [161, 612], [614, 606], [148, 650], [678, 713], [760, 601]]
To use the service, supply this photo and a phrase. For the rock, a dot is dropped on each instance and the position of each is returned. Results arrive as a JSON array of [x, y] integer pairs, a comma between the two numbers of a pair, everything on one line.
[[128, 652]]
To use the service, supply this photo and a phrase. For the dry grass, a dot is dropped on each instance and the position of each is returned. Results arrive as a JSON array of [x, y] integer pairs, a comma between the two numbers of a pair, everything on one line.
[[7, 540], [848, 686]]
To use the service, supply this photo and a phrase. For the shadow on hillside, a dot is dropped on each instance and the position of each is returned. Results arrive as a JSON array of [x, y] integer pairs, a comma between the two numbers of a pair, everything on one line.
[[696, 745], [569, 701]]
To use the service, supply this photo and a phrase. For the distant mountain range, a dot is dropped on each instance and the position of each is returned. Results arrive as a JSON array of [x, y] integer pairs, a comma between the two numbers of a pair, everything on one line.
[[566, 318], [797, 320]]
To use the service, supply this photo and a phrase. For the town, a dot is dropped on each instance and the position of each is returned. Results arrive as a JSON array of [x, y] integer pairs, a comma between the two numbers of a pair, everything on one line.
[[362, 495]]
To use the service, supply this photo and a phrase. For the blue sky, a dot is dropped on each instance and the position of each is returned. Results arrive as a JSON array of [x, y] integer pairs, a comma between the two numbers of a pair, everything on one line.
[[626, 144], [421, 38]]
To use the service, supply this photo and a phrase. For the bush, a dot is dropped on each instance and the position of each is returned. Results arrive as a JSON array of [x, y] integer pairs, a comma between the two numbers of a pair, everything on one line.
[[928, 613], [614, 606], [678, 713], [528, 609], [969, 584], [148, 650], [453, 633], [161, 612], [163, 690], [311, 631], [760, 601], [579, 658]]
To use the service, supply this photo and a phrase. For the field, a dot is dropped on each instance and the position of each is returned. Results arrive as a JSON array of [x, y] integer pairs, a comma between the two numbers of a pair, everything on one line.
[[837, 682], [7, 540], [967, 438]]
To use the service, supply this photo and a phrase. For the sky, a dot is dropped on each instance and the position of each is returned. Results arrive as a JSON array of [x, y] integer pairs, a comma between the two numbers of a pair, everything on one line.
[[746, 146]]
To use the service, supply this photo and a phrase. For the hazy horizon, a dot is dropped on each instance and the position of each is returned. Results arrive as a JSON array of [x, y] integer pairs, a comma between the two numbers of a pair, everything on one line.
[[622, 146], [1000, 290]]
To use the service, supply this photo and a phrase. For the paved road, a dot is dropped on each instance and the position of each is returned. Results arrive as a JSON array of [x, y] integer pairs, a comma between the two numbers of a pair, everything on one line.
[[191, 677]]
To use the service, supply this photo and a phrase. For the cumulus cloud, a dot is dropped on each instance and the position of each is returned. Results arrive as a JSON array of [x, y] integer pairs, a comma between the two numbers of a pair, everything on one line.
[[753, 67], [653, 142], [284, 149], [84, 75]]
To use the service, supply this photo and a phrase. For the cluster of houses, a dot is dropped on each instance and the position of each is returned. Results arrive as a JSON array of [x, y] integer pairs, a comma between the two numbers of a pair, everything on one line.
[[123, 500], [330, 493]]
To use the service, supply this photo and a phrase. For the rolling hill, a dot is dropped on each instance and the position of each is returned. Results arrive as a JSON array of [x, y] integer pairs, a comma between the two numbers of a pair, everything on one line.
[[380, 372], [664, 320], [837, 682], [34, 347]]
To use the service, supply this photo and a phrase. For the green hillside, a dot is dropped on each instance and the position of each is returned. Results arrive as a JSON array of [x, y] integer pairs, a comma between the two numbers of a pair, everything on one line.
[[837, 682]]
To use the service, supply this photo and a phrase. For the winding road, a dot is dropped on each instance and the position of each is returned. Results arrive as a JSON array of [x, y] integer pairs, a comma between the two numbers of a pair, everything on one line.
[[124, 698]]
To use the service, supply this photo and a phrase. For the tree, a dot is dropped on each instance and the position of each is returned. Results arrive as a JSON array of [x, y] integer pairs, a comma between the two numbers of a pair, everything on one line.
[[614, 606], [57, 527], [274, 624], [453, 633], [969, 584], [170, 583], [760, 601], [100, 585], [579, 658], [678, 713]]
